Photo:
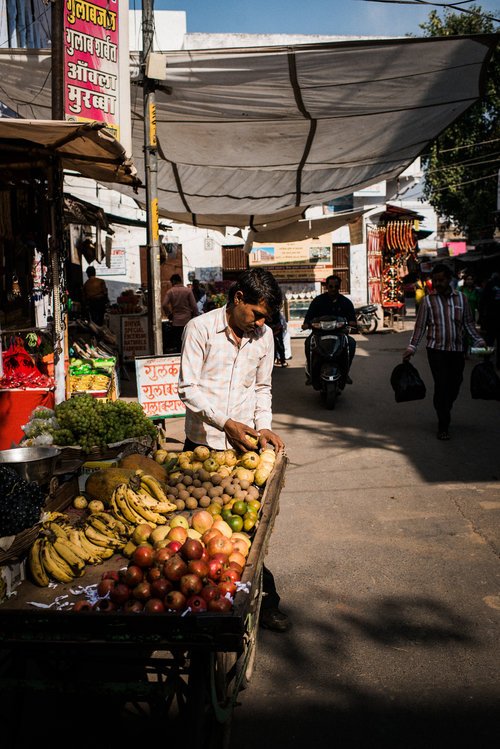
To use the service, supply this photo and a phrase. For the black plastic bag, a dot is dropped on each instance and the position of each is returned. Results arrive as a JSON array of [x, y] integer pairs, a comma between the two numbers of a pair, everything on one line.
[[407, 383], [484, 382]]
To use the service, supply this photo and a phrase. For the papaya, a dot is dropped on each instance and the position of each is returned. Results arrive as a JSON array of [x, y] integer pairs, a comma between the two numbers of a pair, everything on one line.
[[142, 462], [101, 484]]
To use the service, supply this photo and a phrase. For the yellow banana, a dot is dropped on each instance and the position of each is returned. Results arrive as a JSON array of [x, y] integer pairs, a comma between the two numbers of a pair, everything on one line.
[[155, 504], [98, 553], [146, 514], [103, 528], [36, 567], [65, 550], [99, 539], [117, 513], [129, 549], [54, 565], [155, 487], [131, 501], [145, 488], [57, 530], [123, 506], [77, 545]]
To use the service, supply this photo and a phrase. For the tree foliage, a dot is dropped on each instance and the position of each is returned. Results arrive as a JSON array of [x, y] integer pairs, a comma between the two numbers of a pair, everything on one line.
[[461, 165]]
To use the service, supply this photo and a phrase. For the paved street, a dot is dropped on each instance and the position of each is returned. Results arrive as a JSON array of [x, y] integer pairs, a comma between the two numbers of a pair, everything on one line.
[[386, 554]]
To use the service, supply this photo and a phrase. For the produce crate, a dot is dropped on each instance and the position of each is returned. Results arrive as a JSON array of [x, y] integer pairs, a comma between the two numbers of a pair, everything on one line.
[[142, 445]]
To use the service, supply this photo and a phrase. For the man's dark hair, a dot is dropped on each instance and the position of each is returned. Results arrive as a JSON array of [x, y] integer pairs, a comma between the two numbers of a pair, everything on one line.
[[90, 271], [175, 278], [442, 268], [334, 278], [257, 284]]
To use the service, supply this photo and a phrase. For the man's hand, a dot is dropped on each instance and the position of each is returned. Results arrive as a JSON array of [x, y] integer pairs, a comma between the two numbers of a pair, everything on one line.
[[408, 354], [266, 436], [305, 326], [237, 434]]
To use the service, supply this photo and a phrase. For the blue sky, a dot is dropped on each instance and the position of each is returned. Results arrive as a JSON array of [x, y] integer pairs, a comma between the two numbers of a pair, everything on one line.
[[331, 17]]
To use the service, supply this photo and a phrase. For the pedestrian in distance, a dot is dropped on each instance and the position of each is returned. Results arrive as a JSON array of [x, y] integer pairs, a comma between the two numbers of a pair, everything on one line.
[[95, 296], [179, 305], [225, 377], [445, 316]]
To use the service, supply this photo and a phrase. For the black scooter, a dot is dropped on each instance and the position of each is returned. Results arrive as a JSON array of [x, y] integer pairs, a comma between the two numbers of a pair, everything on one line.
[[328, 360], [367, 318]]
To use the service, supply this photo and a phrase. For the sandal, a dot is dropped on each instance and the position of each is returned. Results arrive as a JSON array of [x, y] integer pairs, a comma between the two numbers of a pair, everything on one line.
[[284, 364], [443, 436]]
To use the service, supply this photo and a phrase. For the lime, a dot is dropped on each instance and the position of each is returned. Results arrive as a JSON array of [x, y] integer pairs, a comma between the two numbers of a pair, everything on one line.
[[253, 504], [250, 515], [235, 522], [225, 512], [240, 507], [249, 523]]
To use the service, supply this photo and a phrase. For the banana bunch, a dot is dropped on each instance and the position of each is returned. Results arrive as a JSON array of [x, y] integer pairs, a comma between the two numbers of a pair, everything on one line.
[[107, 532], [62, 551], [146, 504]]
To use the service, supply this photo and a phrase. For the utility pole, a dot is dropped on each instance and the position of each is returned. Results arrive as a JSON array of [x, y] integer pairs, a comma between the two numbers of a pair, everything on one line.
[[55, 195], [151, 174]]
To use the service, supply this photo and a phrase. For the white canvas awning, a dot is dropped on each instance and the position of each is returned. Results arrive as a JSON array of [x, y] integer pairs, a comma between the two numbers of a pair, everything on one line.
[[253, 135], [83, 147], [304, 229]]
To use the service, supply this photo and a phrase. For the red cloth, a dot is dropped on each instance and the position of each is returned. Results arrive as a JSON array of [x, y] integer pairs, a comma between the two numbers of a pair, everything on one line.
[[15, 409]]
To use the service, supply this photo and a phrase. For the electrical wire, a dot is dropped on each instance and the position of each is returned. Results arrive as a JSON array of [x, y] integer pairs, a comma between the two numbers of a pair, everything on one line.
[[446, 6], [466, 182], [470, 145]]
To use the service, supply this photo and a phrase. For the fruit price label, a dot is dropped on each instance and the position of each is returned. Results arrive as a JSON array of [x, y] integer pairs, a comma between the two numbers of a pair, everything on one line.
[[157, 389]]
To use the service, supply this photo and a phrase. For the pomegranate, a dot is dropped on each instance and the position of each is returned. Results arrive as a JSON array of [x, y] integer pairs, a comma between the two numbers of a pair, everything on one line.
[[154, 606], [198, 567], [82, 606], [174, 568], [143, 556], [105, 586], [220, 604], [119, 594], [142, 591], [175, 600], [133, 606], [191, 549], [133, 575], [197, 604], [160, 587], [190, 584]]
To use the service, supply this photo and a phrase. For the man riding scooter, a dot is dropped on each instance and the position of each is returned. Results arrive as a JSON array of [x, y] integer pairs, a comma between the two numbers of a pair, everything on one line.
[[330, 304]]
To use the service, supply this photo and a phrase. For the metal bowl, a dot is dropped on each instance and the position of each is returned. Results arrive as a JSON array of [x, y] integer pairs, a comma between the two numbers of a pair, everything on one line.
[[32, 463]]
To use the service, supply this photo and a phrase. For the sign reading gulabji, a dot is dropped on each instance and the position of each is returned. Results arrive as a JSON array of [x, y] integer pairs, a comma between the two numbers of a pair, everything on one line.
[[157, 390], [91, 80]]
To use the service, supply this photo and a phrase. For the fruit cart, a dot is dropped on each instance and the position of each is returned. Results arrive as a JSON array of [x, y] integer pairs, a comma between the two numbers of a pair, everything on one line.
[[180, 674]]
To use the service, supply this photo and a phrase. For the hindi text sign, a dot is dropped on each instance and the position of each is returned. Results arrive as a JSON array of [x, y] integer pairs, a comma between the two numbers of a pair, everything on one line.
[[157, 388]]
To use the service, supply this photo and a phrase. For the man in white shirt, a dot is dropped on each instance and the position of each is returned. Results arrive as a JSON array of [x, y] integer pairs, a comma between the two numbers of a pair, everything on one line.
[[225, 383]]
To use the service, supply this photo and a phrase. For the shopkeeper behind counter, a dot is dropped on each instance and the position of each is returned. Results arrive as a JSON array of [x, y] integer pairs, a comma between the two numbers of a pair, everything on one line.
[[95, 296]]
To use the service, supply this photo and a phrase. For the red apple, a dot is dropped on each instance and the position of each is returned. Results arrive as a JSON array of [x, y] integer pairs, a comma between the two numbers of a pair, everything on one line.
[[160, 587], [133, 606], [174, 568], [154, 606], [104, 604], [222, 558], [214, 569], [142, 591], [197, 604], [175, 600], [190, 584], [178, 533], [191, 549], [209, 591], [198, 567], [154, 573], [143, 556], [208, 535], [205, 556], [161, 555], [220, 603], [133, 575], [231, 574], [227, 586], [120, 594], [235, 566], [105, 586], [219, 545], [82, 606], [111, 574], [174, 546]]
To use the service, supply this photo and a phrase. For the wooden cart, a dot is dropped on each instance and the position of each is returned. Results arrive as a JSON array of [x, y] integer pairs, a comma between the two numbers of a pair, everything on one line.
[[179, 673]]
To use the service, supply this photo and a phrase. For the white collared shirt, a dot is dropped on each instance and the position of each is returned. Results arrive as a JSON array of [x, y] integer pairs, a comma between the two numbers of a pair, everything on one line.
[[220, 380]]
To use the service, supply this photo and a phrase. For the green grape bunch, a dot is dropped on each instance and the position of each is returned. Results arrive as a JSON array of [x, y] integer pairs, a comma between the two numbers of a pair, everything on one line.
[[89, 422]]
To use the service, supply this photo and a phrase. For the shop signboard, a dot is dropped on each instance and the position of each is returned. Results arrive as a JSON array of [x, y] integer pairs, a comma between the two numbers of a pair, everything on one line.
[[157, 389], [309, 260], [91, 65], [117, 264], [134, 336]]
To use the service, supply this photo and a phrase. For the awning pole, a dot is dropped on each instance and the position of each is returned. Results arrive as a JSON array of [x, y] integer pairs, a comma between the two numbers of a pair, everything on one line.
[[151, 176]]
